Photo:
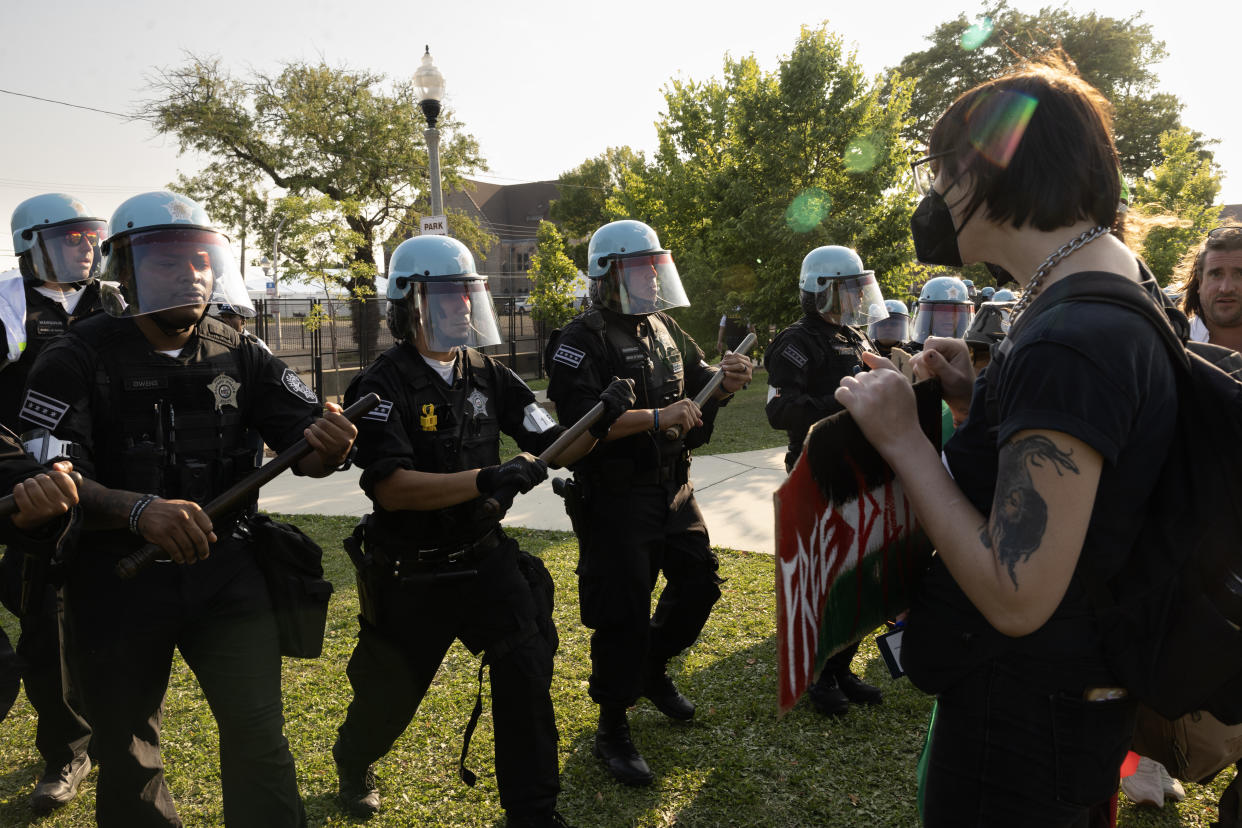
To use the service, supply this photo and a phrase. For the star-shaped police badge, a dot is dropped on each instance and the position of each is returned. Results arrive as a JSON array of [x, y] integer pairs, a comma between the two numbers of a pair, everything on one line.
[[224, 388], [179, 211], [478, 402]]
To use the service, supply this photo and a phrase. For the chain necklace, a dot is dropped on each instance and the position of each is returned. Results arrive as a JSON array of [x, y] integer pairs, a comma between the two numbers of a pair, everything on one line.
[[1062, 252]]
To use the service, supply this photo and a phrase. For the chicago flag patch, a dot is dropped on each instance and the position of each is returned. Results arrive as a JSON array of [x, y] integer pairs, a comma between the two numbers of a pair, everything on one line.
[[43, 410], [568, 356]]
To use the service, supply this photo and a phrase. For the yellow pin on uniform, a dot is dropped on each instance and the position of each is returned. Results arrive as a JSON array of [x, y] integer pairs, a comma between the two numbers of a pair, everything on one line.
[[428, 419]]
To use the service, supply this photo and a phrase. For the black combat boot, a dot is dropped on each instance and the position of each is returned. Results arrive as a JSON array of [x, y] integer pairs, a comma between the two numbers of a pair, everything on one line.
[[59, 785], [615, 749], [358, 793], [857, 690], [827, 696], [659, 688]]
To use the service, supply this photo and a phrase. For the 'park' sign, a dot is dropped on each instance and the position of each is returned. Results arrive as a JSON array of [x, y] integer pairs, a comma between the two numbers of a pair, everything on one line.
[[435, 226]]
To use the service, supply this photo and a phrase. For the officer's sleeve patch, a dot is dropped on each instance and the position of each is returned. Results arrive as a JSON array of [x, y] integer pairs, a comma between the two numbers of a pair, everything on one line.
[[380, 413], [296, 387], [795, 356], [536, 420], [568, 356], [43, 410]]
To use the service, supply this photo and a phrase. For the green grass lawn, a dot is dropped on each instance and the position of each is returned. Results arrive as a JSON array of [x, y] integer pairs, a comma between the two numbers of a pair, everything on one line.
[[736, 764]]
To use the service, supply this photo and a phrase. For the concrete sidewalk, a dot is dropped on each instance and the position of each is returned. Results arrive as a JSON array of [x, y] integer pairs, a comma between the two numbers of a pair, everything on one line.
[[733, 490]]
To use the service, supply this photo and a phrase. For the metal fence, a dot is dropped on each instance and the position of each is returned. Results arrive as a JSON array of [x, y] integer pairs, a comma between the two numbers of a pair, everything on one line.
[[332, 340]]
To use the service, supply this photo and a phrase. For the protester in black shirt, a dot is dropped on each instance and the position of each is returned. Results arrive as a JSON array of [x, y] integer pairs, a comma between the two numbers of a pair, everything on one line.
[[1031, 727]]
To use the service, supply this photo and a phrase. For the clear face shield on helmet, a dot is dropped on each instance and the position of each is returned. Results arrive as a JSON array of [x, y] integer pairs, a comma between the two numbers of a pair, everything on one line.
[[890, 331], [157, 270], [68, 252], [647, 282], [947, 319], [456, 313], [851, 300]]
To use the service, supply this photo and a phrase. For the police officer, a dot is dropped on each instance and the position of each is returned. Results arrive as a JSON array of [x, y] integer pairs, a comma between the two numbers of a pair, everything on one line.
[[805, 363], [235, 318], [632, 506], [945, 309], [30, 537], [56, 240], [433, 567], [893, 330], [156, 399]]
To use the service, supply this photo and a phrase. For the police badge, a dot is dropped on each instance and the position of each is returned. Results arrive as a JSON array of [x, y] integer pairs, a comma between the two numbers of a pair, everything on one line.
[[478, 402], [224, 388]]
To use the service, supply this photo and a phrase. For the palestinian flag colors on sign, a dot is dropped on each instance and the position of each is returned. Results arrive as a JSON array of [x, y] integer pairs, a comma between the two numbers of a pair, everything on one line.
[[849, 549]]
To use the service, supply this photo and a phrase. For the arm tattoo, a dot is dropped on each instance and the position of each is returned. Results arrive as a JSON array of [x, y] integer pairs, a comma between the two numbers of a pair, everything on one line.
[[1019, 514], [105, 508]]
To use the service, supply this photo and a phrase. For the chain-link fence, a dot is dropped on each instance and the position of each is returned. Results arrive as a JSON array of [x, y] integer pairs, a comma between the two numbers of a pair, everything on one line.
[[329, 341]]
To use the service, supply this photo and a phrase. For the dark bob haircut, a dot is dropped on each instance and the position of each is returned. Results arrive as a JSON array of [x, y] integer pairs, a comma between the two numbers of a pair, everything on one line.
[[1037, 146]]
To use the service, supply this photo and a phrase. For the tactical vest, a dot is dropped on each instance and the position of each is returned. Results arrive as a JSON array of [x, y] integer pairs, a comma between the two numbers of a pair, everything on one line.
[[834, 352], [654, 362], [173, 426], [45, 320], [451, 430]]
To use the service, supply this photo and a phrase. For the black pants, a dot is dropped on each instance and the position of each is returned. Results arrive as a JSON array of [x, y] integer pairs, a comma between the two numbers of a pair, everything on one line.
[[1013, 746], [394, 662], [218, 614], [629, 536], [62, 731]]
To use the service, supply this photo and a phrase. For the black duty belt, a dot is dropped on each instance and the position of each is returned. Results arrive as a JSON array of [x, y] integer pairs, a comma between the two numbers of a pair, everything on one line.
[[461, 554]]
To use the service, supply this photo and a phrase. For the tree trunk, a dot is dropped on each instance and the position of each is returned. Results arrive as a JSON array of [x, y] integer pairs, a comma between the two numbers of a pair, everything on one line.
[[364, 318]]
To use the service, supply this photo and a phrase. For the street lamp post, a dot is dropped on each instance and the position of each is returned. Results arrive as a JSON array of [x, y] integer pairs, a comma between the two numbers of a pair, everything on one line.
[[430, 85], [270, 270]]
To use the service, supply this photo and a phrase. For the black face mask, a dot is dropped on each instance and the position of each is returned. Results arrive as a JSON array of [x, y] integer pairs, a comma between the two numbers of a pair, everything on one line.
[[1002, 276], [935, 237]]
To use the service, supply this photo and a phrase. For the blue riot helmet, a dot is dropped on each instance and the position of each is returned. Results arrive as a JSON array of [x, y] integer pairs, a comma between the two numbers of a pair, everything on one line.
[[945, 309], [987, 293], [630, 273], [1004, 295], [895, 328], [162, 252], [970, 287], [834, 282], [433, 284], [57, 239], [225, 309]]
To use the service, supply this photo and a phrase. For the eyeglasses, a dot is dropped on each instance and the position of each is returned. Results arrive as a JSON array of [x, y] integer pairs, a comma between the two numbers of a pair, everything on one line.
[[76, 237], [925, 172]]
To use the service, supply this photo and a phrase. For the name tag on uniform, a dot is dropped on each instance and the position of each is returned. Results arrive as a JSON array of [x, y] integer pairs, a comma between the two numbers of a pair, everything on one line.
[[49, 328], [144, 383]]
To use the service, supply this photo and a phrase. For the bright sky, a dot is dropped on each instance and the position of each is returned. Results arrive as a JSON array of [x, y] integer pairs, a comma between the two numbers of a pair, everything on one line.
[[542, 86]]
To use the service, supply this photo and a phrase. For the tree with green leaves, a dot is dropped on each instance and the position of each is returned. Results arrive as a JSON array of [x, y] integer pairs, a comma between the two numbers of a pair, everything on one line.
[[1184, 185], [757, 168], [316, 130], [1116, 55], [554, 277], [592, 193]]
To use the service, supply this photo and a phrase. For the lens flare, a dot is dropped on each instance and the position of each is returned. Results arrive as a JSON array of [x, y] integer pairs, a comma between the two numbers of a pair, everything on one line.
[[860, 155], [807, 210], [977, 35], [998, 122]]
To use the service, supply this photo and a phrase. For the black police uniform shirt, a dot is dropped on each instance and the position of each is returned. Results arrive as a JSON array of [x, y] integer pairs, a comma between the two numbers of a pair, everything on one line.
[[176, 426], [1098, 373], [806, 363], [46, 319], [665, 363], [426, 425]]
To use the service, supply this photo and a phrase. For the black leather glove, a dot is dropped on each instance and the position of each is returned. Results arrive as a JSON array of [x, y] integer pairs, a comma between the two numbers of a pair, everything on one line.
[[523, 472], [617, 398]]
